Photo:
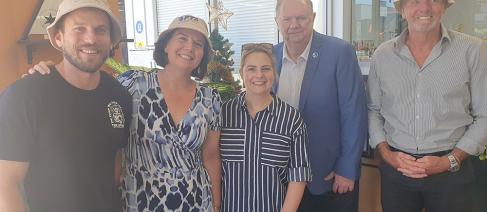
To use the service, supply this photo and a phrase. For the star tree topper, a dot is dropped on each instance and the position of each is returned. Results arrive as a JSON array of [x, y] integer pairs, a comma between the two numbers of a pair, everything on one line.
[[218, 14]]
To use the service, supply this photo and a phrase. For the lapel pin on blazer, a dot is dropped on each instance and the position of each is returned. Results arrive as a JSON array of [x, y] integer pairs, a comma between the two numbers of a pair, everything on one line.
[[315, 54]]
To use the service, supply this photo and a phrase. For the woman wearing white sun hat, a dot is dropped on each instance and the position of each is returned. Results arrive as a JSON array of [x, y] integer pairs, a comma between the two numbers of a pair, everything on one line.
[[172, 158]]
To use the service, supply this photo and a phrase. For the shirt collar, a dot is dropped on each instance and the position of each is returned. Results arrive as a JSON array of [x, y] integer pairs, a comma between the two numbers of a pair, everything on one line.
[[271, 108], [303, 56], [401, 39]]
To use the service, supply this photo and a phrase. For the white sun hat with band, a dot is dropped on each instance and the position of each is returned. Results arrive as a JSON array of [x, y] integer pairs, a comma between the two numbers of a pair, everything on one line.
[[68, 6], [397, 4], [187, 22]]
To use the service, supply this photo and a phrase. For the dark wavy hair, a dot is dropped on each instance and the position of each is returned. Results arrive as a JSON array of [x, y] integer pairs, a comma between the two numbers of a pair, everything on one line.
[[160, 56]]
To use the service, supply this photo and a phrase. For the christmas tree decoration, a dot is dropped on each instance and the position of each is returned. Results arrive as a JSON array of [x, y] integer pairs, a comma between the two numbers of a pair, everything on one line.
[[220, 68], [218, 14], [222, 48]]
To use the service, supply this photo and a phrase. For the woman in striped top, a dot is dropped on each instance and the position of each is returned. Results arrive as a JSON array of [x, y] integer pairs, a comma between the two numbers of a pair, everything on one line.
[[263, 142]]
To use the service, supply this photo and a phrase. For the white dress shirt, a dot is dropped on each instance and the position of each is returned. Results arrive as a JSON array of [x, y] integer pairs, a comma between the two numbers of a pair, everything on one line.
[[292, 75]]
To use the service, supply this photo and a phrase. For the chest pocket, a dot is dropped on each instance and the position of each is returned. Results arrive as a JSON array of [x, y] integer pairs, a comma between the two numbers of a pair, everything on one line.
[[232, 145], [275, 149]]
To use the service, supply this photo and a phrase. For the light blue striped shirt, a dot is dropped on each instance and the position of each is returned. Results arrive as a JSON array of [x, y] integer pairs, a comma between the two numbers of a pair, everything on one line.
[[433, 108]]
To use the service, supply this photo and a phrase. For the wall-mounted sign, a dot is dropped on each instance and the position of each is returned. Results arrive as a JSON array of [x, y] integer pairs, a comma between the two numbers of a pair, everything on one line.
[[139, 44], [139, 27], [139, 23]]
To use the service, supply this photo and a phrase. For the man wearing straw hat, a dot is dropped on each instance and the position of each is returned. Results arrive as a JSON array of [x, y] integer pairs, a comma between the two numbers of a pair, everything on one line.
[[60, 132], [428, 111]]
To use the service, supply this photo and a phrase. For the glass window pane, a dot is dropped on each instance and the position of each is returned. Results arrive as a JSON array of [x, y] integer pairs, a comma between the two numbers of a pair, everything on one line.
[[469, 17], [373, 22], [252, 22]]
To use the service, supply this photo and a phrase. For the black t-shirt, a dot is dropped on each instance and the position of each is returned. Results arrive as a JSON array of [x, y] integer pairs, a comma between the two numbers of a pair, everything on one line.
[[69, 137]]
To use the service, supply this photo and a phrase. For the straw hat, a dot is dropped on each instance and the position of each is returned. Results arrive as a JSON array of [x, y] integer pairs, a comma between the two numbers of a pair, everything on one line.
[[397, 4], [187, 22]]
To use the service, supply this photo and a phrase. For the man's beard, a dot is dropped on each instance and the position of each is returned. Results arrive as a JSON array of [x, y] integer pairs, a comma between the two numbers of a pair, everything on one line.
[[83, 66]]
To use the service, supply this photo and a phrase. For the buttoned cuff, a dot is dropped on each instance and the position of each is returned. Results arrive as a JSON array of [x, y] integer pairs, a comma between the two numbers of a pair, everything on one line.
[[215, 128], [470, 146]]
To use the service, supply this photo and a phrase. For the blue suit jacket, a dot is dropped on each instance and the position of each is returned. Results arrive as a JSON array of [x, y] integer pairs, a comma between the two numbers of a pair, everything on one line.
[[333, 105]]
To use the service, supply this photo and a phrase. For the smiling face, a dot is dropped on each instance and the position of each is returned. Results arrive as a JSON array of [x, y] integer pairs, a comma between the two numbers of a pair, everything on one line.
[[185, 49], [258, 73], [85, 38], [295, 21], [423, 15]]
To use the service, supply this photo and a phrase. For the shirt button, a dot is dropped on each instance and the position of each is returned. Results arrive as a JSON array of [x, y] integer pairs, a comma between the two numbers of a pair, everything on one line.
[[417, 117], [417, 95]]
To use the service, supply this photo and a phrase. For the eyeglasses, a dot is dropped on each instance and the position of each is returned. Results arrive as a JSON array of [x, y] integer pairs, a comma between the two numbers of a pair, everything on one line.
[[267, 47]]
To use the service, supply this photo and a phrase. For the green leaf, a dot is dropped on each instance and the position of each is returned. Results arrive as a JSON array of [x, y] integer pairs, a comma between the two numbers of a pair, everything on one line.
[[484, 156], [120, 68]]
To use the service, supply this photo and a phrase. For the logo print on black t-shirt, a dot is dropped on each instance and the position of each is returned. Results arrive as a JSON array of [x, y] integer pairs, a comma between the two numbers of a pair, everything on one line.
[[116, 115]]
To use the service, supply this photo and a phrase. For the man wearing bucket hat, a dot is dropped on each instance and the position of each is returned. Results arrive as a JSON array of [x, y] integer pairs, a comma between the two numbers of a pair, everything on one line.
[[183, 50], [427, 111], [60, 133]]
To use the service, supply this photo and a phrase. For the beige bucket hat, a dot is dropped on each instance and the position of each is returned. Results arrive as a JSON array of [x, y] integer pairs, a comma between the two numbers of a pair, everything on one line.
[[188, 22], [397, 5], [68, 6]]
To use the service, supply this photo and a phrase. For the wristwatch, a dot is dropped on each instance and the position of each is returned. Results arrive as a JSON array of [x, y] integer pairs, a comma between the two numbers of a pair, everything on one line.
[[454, 165]]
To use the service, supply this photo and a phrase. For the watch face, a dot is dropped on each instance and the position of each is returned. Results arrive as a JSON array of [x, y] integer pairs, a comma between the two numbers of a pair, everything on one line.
[[454, 168]]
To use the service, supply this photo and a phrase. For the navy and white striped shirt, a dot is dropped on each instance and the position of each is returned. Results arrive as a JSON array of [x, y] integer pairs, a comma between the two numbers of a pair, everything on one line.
[[260, 156]]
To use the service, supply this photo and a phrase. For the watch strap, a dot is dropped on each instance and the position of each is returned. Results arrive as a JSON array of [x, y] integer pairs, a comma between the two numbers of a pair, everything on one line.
[[454, 165]]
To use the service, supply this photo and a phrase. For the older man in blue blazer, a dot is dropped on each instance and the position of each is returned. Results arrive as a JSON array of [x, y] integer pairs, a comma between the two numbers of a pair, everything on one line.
[[320, 76]]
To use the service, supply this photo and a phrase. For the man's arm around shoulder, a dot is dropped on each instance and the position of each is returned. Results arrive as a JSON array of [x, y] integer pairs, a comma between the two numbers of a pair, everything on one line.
[[12, 174]]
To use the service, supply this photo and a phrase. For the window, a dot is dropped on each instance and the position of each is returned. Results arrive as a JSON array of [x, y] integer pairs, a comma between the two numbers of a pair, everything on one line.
[[253, 21], [373, 22], [167, 10], [376, 21], [469, 17]]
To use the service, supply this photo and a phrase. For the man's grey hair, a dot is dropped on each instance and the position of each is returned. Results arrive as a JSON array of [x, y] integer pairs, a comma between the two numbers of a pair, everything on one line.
[[279, 2]]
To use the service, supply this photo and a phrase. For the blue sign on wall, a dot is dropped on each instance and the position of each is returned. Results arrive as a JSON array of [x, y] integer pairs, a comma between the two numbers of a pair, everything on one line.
[[139, 27]]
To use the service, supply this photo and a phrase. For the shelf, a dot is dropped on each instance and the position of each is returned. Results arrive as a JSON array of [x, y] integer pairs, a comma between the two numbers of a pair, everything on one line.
[[25, 40], [30, 46]]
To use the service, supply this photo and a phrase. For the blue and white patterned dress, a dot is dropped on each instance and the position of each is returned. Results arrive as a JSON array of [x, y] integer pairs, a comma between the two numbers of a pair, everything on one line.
[[164, 167]]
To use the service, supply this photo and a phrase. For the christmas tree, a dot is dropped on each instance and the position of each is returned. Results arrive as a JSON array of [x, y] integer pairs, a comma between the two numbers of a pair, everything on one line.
[[220, 67]]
